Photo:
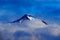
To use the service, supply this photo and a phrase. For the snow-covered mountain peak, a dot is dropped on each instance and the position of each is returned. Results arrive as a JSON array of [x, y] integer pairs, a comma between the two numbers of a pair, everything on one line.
[[25, 17], [29, 18]]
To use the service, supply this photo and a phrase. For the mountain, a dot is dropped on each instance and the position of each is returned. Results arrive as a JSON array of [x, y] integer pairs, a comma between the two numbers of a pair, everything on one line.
[[26, 17]]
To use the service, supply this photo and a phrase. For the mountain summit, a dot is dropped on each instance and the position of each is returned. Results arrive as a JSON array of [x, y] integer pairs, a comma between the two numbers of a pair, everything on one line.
[[27, 17]]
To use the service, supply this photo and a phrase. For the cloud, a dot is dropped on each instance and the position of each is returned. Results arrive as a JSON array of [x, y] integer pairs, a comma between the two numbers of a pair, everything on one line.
[[31, 30], [54, 29], [8, 32]]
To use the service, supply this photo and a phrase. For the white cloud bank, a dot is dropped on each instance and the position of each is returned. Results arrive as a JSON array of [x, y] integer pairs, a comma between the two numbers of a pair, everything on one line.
[[34, 28]]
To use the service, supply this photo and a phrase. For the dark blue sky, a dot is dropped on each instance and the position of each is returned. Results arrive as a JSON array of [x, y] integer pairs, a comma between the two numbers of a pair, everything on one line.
[[48, 10]]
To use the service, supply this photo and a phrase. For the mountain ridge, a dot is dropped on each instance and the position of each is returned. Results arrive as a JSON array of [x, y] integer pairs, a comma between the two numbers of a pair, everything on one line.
[[26, 17]]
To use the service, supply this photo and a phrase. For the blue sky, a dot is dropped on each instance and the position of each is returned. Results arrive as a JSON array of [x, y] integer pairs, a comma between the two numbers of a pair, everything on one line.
[[48, 10]]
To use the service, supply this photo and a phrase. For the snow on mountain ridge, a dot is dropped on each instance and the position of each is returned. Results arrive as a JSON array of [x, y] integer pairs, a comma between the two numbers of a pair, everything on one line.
[[29, 21], [27, 17]]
